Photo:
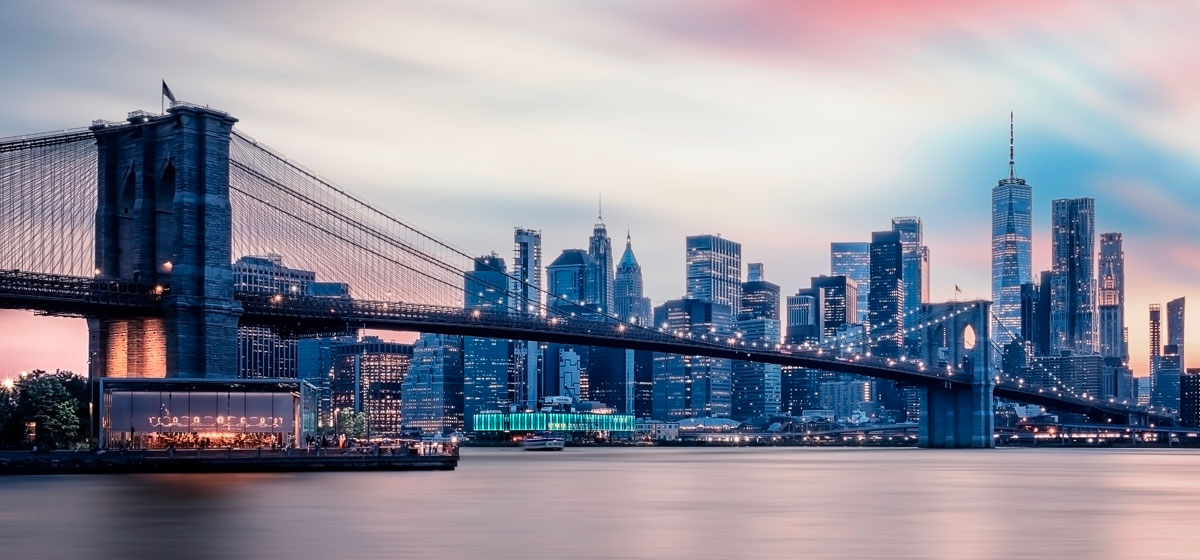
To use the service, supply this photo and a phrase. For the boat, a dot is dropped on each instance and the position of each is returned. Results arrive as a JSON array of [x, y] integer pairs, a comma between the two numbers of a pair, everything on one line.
[[543, 442]]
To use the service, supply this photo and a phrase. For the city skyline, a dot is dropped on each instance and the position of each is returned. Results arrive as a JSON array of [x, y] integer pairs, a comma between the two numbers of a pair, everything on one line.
[[950, 164]]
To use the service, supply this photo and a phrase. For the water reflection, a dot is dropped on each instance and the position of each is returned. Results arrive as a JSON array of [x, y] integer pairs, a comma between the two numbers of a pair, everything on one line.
[[635, 503]]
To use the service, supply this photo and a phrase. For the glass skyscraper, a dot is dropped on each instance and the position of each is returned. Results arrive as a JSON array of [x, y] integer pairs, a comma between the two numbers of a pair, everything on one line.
[[756, 386], [887, 293], [526, 298], [485, 360], [1012, 241], [714, 270], [433, 390], [1073, 324], [916, 262], [853, 260], [569, 282], [1175, 327], [692, 386]]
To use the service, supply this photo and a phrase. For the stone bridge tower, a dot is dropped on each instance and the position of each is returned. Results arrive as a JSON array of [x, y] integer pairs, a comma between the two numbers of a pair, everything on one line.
[[163, 220], [959, 415]]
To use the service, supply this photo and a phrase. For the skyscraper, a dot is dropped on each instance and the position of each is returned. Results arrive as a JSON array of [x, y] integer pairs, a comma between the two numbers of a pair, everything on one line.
[[526, 298], [1175, 327], [1073, 288], [853, 260], [916, 261], [433, 390], [628, 297], [756, 390], [1012, 241], [887, 292], [1189, 398], [1112, 297], [485, 360], [1165, 383], [569, 282], [368, 376], [600, 296], [839, 303], [1155, 337], [714, 270], [692, 386]]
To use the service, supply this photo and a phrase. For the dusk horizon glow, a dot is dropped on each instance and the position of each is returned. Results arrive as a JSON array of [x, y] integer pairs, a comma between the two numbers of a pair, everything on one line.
[[782, 128]]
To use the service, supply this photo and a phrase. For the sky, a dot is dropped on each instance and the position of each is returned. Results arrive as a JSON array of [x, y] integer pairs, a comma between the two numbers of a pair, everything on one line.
[[782, 125]]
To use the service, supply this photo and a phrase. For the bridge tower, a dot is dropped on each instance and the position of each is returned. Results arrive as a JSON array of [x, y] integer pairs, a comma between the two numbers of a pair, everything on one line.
[[959, 414], [163, 220]]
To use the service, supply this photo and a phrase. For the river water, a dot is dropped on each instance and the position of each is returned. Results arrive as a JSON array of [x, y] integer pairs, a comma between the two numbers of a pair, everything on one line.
[[686, 503]]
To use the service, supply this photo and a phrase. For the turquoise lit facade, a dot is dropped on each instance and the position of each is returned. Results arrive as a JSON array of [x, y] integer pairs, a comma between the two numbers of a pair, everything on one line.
[[552, 421]]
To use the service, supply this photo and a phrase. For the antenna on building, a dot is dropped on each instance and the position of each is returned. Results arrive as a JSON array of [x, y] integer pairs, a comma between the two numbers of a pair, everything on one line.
[[1012, 164], [600, 207]]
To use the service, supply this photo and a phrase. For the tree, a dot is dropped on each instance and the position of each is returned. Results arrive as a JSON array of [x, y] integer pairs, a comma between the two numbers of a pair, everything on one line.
[[353, 424], [55, 402]]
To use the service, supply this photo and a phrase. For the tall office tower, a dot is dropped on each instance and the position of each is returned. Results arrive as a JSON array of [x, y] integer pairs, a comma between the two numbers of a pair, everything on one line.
[[1012, 242], [526, 294], [692, 386], [804, 322], [916, 262], [433, 389], [263, 352], [1155, 337], [839, 303], [485, 360], [1175, 327], [600, 296], [1143, 390], [853, 260], [368, 376], [1080, 374], [315, 365], [1073, 289], [1112, 297], [1035, 317], [1189, 398], [887, 293], [628, 297], [1165, 383], [756, 386], [714, 270], [569, 281]]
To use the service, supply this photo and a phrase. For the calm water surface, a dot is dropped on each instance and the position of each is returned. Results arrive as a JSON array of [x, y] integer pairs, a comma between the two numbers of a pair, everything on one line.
[[688, 503]]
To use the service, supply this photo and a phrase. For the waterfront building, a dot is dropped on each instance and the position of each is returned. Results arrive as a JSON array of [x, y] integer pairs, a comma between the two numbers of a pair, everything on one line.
[[264, 352], [756, 386], [887, 293], [1175, 324], [1189, 398], [1012, 253], [692, 386], [1112, 297], [628, 297], [853, 260], [432, 393], [367, 376], [1165, 382], [485, 360], [714, 270], [569, 283], [847, 399], [916, 262], [526, 292], [574, 425], [1078, 374], [1073, 323]]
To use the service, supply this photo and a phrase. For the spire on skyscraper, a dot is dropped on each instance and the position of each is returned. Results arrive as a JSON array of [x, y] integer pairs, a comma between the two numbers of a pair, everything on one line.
[[1012, 164]]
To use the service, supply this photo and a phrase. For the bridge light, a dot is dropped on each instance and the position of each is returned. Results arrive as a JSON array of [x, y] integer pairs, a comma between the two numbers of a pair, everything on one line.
[[620, 328], [475, 313], [278, 298], [158, 290], [167, 266]]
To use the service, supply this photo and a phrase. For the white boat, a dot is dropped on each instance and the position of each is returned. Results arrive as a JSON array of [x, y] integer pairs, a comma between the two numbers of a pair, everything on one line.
[[543, 442]]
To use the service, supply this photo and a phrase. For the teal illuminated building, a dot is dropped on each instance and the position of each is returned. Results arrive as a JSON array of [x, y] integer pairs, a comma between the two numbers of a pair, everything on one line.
[[574, 422]]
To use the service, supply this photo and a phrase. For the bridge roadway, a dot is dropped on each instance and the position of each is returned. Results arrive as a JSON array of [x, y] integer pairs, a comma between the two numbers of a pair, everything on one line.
[[77, 296]]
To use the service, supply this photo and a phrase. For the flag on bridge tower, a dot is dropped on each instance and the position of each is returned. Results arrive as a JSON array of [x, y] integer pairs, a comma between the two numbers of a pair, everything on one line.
[[166, 92]]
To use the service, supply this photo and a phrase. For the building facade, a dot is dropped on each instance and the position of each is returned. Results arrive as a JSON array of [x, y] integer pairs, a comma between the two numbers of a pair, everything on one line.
[[756, 386], [1111, 296], [368, 376], [714, 270], [692, 386], [628, 296], [433, 390], [887, 296], [1175, 326], [853, 260], [526, 293], [916, 261], [601, 296], [1073, 324]]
